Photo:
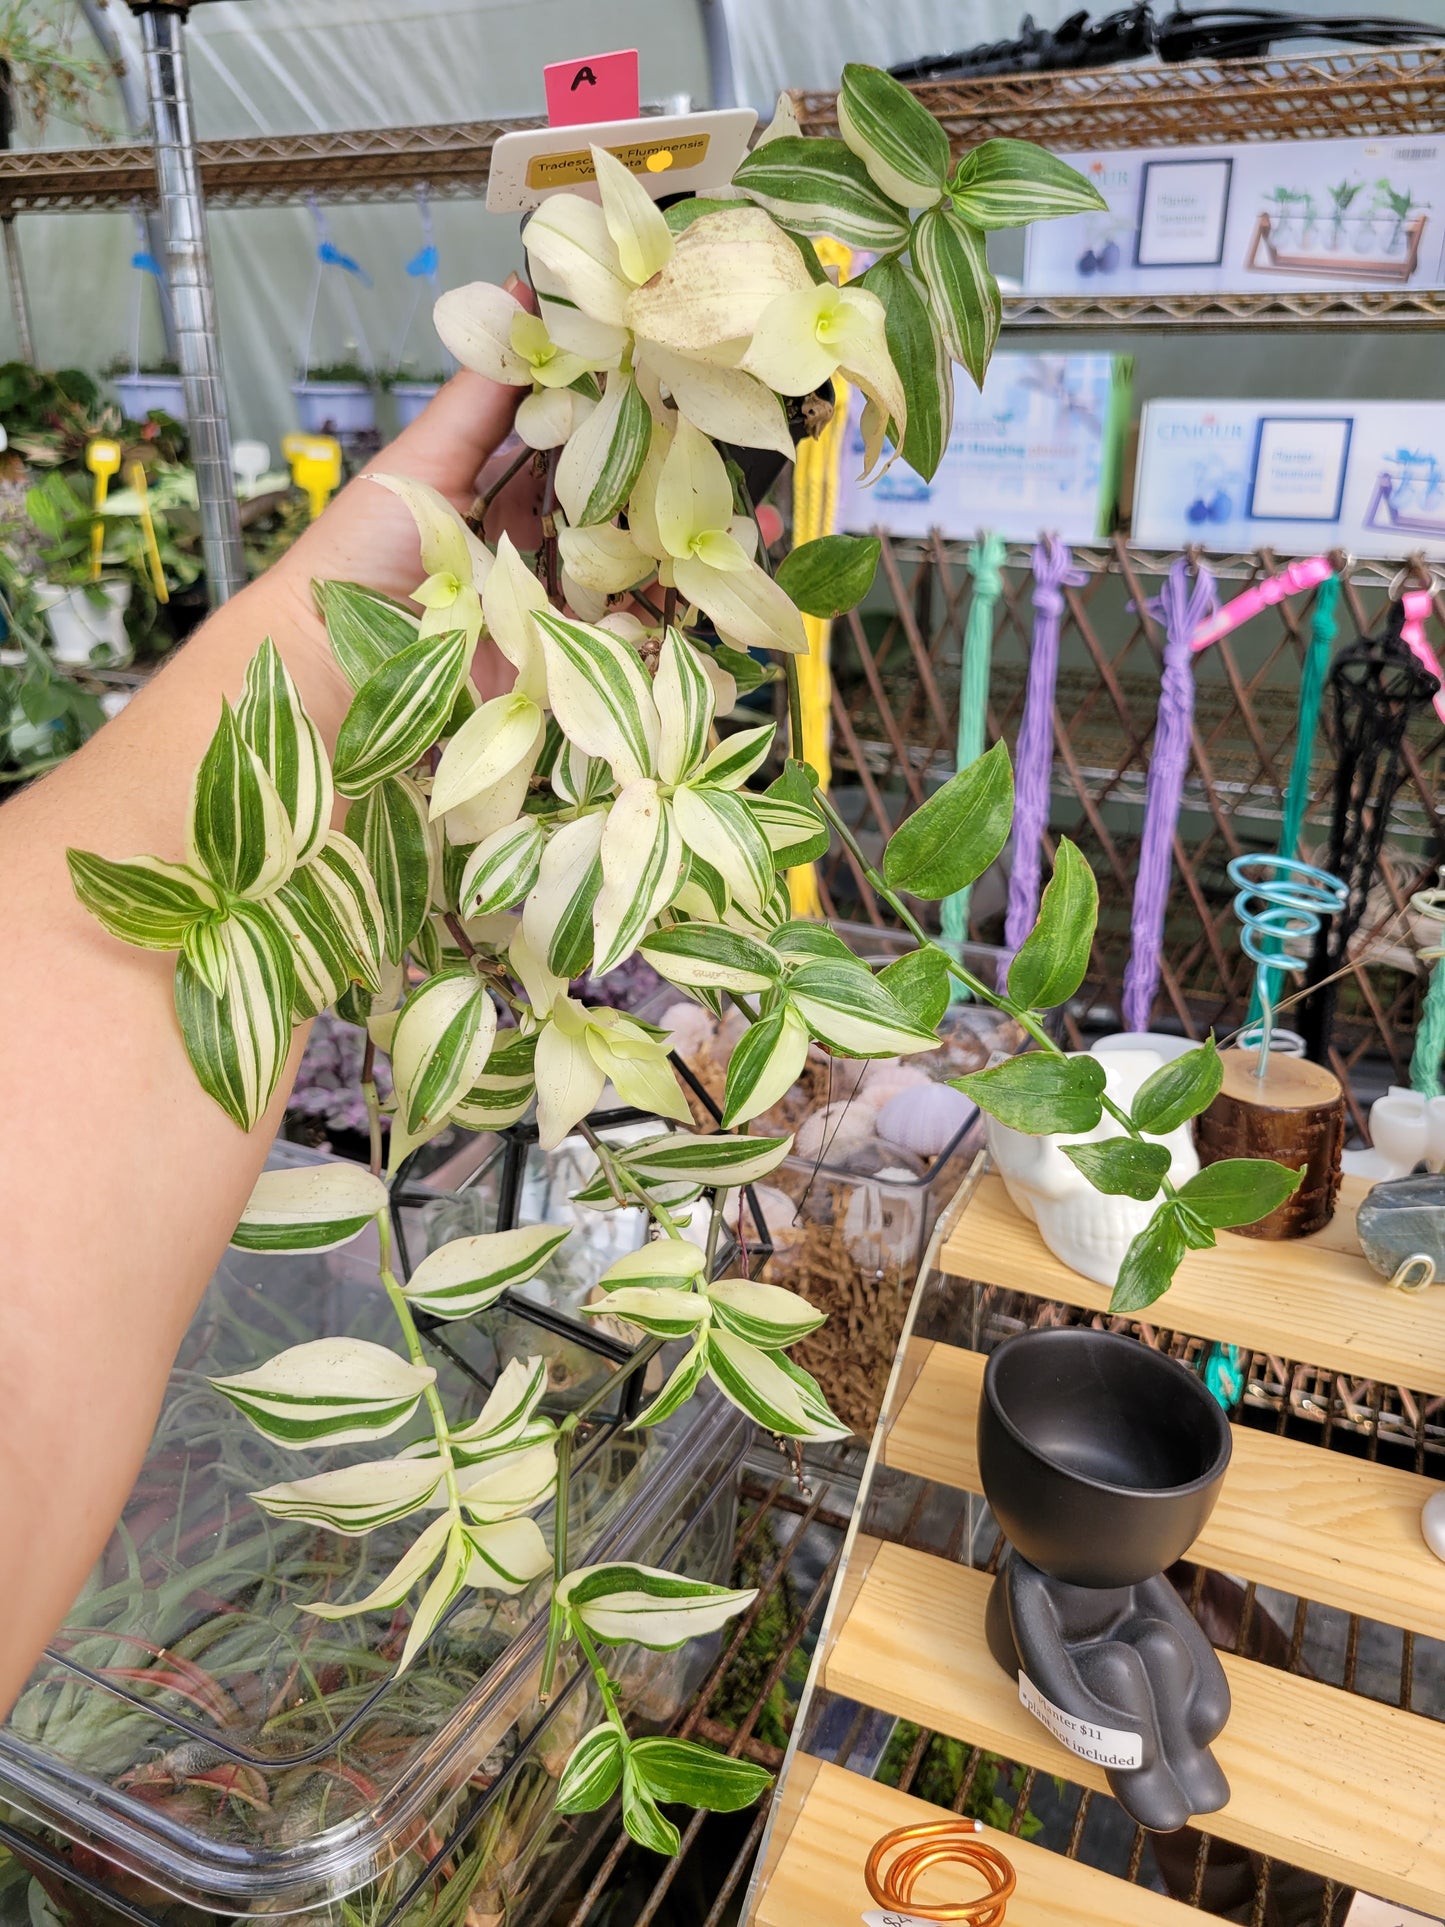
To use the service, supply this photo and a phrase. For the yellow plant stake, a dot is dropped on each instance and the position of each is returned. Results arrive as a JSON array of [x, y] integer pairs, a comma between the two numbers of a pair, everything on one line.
[[315, 467], [148, 532], [102, 458], [815, 508]]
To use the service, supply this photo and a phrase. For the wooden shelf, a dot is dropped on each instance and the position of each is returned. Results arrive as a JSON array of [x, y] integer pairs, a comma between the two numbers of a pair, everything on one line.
[[1322, 1525], [1308, 1299], [1326, 1780], [832, 1818]]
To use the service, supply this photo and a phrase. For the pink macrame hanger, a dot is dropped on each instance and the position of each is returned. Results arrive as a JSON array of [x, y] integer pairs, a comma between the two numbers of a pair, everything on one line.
[[1292, 580]]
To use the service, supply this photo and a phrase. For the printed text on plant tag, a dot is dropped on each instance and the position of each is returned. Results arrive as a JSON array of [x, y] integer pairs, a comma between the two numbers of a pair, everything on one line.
[[893, 1920], [1104, 1745]]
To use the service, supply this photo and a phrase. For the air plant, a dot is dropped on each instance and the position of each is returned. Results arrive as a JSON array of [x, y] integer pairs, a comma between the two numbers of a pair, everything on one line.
[[494, 851]]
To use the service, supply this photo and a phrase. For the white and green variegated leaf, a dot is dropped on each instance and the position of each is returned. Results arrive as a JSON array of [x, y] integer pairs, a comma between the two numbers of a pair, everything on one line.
[[703, 893], [363, 627], [389, 826], [557, 916], [819, 187], [796, 941], [712, 956], [508, 1412], [429, 951], [641, 856], [506, 1555], [332, 914], [684, 700], [412, 1567], [782, 823], [952, 257], [578, 778], [816, 1409], [439, 1046], [665, 1262], [854, 1013], [754, 1380], [768, 1061], [328, 1391], [400, 711], [489, 745], [694, 1775], [598, 1194], [720, 1160], [717, 826], [273, 721], [899, 142], [238, 833], [357, 1498], [143, 901], [501, 870], [642, 1818], [494, 1101], [730, 765], [447, 1583], [765, 1315], [660, 1312], [238, 1042], [313, 1207], [1008, 183], [601, 695], [682, 1382], [509, 1484], [602, 458], [619, 1604], [925, 367], [204, 949], [594, 1772], [468, 1274]]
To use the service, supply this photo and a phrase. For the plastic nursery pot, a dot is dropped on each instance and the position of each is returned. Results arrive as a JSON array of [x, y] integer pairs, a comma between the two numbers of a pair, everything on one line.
[[410, 398], [85, 619], [335, 407], [1100, 1458], [139, 394]]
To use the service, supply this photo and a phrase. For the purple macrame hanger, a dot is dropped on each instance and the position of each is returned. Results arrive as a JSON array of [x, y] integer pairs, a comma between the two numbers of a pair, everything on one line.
[[1054, 571], [1181, 606]]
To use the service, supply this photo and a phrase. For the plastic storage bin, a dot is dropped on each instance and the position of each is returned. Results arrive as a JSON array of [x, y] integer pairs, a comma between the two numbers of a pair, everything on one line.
[[194, 1744]]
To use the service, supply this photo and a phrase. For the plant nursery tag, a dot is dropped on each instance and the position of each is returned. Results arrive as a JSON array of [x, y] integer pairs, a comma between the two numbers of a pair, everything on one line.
[[601, 87], [1105, 1746]]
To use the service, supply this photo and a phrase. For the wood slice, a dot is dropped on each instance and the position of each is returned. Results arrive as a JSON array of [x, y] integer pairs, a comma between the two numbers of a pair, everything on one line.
[[1295, 1114]]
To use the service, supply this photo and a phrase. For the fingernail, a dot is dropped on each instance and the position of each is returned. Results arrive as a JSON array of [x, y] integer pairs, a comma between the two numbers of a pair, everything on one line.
[[512, 282]]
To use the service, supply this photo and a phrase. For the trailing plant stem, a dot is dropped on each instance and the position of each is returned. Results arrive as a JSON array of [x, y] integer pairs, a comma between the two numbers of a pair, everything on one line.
[[622, 1181], [412, 1339], [373, 1105], [599, 1673]]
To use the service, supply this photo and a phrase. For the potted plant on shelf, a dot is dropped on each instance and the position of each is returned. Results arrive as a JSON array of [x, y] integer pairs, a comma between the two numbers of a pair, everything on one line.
[[337, 398], [493, 851], [154, 388], [410, 393]]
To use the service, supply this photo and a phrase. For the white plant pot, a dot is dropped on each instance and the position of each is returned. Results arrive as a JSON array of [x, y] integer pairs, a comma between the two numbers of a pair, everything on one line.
[[80, 627], [410, 398], [139, 394], [335, 407]]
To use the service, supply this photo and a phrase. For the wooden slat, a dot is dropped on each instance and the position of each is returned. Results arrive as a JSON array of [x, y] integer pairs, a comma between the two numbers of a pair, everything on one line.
[[1323, 1779], [1304, 1299], [1321, 1525], [836, 1816]]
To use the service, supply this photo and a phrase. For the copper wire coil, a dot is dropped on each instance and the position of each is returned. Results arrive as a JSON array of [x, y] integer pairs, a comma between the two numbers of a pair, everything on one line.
[[933, 1843]]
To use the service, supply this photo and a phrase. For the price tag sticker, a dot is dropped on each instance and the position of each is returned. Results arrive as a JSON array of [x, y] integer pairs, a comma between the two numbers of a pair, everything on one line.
[[1105, 1746]]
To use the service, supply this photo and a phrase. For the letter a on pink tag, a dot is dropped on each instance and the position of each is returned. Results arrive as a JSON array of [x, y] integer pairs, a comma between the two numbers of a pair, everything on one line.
[[601, 87]]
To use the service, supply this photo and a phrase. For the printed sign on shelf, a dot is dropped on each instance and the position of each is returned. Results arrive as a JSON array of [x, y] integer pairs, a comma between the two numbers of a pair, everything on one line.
[[1038, 449], [1258, 216], [1297, 477], [1105, 1746]]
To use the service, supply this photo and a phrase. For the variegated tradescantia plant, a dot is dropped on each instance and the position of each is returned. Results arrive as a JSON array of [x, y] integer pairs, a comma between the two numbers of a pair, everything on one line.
[[494, 851]]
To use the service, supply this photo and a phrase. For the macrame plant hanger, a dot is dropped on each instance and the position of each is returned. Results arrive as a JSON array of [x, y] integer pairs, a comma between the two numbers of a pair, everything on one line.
[[424, 267], [328, 255], [1376, 687]]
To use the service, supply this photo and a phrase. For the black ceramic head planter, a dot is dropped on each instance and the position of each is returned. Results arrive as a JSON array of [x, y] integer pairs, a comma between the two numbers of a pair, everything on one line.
[[1101, 1460]]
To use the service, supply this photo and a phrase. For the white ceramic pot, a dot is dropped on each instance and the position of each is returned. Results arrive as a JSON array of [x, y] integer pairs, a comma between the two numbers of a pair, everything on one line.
[[139, 394], [84, 621], [1087, 1230], [335, 407], [1406, 1128], [410, 398], [1164, 1046]]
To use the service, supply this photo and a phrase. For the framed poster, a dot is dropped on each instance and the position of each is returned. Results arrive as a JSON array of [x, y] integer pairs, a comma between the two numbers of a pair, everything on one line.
[[1183, 213], [1300, 463]]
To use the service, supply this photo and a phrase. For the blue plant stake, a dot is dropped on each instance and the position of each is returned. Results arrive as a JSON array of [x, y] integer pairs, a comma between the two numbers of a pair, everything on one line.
[[1281, 903]]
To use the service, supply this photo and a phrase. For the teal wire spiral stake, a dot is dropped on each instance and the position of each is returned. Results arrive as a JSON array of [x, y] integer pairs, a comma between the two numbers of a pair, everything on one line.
[[985, 563], [1430, 1037], [1281, 904]]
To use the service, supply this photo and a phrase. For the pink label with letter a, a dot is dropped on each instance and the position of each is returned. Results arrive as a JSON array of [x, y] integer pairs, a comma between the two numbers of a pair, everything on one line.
[[601, 87]]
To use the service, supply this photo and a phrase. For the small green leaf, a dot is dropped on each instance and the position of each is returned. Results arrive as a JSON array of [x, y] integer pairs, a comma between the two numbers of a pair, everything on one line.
[[799, 939], [641, 1817], [145, 901], [1150, 1262], [1239, 1190], [796, 785], [399, 712], [1121, 1167], [952, 257], [920, 982], [687, 1774], [1042, 1093], [1008, 183], [363, 627], [830, 575], [1054, 957], [958, 833], [925, 367], [894, 135], [594, 1772], [1178, 1090], [854, 1012], [821, 187]]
